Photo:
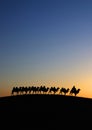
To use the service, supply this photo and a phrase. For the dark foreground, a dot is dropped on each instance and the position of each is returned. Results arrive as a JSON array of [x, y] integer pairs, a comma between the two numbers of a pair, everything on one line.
[[45, 111]]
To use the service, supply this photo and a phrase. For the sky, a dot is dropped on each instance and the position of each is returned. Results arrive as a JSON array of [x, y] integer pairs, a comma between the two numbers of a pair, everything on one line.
[[46, 42]]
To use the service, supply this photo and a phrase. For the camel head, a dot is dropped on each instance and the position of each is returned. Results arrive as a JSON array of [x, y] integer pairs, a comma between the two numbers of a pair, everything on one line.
[[79, 89]]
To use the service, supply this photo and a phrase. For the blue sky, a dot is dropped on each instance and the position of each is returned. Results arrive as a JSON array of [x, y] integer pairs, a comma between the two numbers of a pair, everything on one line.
[[46, 42]]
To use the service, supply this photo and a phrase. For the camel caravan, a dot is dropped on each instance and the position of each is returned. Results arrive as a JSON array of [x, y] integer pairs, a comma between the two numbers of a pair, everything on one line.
[[44, 90]]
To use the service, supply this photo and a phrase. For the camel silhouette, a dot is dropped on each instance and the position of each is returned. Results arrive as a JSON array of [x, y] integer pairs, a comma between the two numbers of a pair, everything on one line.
[[15, 90], [74, 91], [64, 90], [53, 90], [43, 90]]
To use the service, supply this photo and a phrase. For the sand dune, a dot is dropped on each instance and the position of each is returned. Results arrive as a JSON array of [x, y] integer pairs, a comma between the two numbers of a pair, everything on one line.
[[44, 111]]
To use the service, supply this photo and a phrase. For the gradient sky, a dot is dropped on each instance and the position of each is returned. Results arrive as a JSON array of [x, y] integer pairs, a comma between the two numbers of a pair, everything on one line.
[[46, 42]]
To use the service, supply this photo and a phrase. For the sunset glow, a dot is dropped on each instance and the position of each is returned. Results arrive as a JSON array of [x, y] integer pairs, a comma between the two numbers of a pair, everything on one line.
[[46, 43]]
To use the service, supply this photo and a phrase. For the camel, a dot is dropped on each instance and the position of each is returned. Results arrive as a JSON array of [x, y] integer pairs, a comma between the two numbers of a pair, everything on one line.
[[43, 90], [74, 91], [64, 90], [15, 90]]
